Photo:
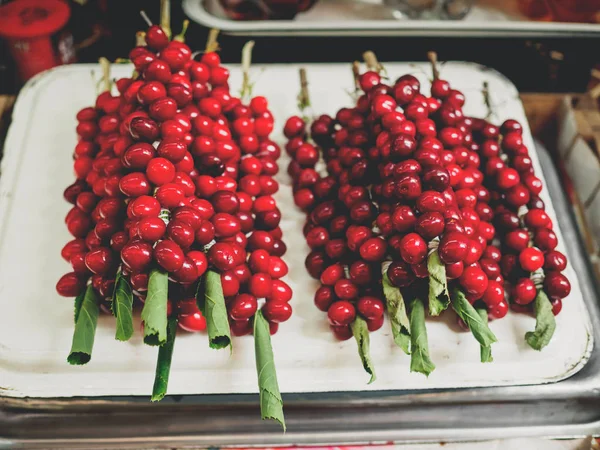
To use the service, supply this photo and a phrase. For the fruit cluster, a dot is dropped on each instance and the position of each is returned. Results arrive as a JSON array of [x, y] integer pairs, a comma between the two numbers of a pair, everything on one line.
[[176, 173], [404, 189]]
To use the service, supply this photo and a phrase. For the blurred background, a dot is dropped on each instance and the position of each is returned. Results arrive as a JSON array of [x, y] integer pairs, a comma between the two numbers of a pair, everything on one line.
[[557, 59]]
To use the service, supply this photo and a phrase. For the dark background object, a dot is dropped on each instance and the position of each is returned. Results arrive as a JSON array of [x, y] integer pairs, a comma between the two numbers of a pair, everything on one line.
[[107, 28]]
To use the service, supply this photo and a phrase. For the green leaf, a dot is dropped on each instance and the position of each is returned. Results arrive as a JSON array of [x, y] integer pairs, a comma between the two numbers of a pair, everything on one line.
[[397, 313], [545, 323], [122, 306], [486, 350], [215, 311], [85, 329], [154, 313], [469, 315], [163, 363], [361, 334], [419, 357], [439, 298], [271, 404], [78, 303]]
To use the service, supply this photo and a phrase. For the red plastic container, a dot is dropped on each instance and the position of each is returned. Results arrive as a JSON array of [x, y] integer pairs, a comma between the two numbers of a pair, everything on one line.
[[33, 30]]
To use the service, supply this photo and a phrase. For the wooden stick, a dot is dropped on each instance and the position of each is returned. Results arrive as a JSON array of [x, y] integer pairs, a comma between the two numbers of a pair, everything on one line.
[[211, 44], [303, 96], [433, 59], [165, 16], [246, 62], [105, 64]]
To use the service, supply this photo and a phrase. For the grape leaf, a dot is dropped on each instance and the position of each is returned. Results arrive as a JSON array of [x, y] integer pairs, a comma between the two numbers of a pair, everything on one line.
[[439, 298], [163, 363], [361, 334], [397, 313], [469, 315], [545, 323], [419, 357], [215, 311], [85, 329], [271, 404], [122, 306], [486, 350], [154, 313]]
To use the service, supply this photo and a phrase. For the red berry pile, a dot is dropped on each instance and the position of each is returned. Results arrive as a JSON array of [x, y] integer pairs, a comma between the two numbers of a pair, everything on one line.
[[175, 172], [403, 181]]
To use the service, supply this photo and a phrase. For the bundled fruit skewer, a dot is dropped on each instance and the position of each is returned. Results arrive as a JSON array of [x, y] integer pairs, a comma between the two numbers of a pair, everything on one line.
[[174, 207]]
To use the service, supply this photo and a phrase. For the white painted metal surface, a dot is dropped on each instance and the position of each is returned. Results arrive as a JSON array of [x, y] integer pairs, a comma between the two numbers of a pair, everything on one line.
[[373, 18], [36, 324]]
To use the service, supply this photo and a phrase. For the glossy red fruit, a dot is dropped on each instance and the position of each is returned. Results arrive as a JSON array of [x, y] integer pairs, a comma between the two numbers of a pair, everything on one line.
[[170, 195], [499, 310], [342, 333], [474, 280], [531, 259], [555, 261], [494, 294], [151, 229], [413, 248], [70, 285], [324, 297], [169, 255], [137, 256], [200, 261], [134, 184], [400, 274], [453, 247], [341, 313], [260, 285], [507, 178], [403, 218], [345, 289], [277, 312], [557, 285], [99, 260], [545, 239], [556, 305], [430, 225], [332, 274], [280, 292], [193, 322], [243, 307], [371, 308], [373, 249], [524, 291], [517, 240]]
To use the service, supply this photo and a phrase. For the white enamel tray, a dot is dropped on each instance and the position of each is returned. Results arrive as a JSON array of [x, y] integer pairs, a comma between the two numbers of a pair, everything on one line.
[[36, 324], [372, 18]]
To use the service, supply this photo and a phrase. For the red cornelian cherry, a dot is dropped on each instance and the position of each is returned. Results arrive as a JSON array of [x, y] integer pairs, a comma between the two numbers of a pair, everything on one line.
[[373, 249], [260, 285], [137, 256], [555, 261], [545, 239], [324, 297], [524, 291], [151, 229], [371, 308], [413, 248], [70, 285], [453, 247], [499, 310], [276, 312], [531, 259], [557, 285], [517, 240], [169, 255], [280, 292], [346, 290], [494, 293], [341, 313], [474, 281]]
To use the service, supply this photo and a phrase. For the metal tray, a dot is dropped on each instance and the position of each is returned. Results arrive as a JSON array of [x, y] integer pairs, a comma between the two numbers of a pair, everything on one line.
[[565, 409], [37, 324], [372, 18]]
